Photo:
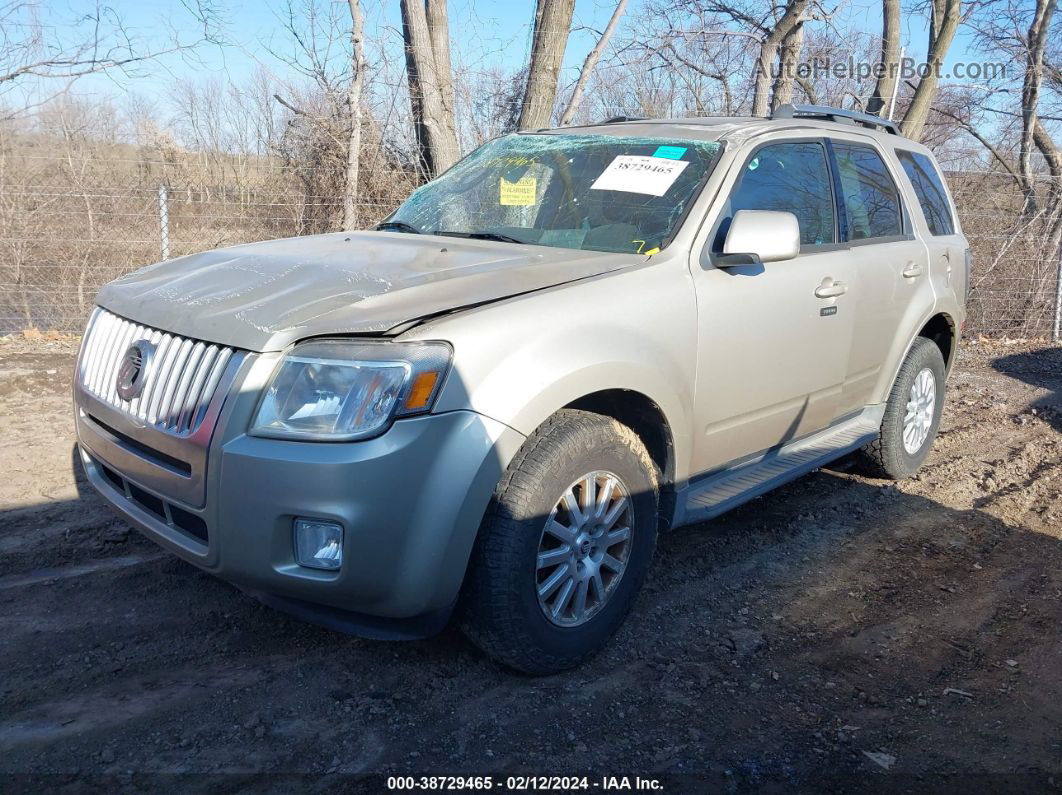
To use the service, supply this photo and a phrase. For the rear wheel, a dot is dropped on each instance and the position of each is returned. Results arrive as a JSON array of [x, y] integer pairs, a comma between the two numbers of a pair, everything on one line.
[[912, 415], [565, 545]]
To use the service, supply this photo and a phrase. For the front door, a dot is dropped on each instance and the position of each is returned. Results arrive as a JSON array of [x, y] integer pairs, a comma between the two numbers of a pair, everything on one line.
[[773, 340]]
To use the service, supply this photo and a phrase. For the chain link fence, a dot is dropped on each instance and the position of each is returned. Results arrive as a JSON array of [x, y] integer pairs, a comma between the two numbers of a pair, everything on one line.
[[1016, 285], [72, 221]]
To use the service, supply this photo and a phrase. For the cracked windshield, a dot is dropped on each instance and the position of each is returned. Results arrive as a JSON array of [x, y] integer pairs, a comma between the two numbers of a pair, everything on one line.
[[593, 192]]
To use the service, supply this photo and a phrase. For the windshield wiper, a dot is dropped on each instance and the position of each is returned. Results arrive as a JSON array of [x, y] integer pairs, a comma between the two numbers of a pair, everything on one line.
[[481, 236], [397, 226]]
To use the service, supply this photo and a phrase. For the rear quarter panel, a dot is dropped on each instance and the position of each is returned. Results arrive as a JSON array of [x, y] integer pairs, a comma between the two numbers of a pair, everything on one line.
[[944, 293]]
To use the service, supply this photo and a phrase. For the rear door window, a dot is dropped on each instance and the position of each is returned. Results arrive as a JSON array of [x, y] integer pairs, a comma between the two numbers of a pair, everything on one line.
[[871, 200], [929, 188], [787, 177]]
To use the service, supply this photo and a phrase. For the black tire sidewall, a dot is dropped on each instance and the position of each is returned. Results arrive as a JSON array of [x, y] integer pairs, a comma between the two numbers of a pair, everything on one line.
[[924, 354], [575, 641], [579, 443]]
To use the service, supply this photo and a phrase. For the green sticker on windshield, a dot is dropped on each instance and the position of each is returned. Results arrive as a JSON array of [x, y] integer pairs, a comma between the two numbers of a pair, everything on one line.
[[670, 152], [754, 164]]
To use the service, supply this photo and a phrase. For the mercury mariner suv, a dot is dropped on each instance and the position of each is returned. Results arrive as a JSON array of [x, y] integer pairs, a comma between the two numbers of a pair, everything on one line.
[[488, 406]]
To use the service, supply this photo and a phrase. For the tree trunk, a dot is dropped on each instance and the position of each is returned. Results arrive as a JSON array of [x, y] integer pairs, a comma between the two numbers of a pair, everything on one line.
[[553, 21], [794, 11], [357, 82], [590, 63], [792, 44], [946, 15], [1030, 95], [890, 57], [1052, 154], [436, 136], [1053, 157], [439, 32]]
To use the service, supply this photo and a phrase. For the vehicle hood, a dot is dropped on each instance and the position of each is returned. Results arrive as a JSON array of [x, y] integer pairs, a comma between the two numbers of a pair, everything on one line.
[[264, 296]]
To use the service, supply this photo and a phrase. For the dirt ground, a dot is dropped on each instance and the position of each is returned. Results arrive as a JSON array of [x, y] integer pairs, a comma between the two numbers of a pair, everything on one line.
[[840, 630]]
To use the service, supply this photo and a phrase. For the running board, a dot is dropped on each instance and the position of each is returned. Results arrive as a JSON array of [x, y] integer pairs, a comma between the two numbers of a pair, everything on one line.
[[720, 492]]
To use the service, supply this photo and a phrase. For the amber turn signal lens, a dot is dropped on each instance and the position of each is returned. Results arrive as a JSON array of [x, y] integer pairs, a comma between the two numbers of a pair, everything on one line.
[[420, 392]]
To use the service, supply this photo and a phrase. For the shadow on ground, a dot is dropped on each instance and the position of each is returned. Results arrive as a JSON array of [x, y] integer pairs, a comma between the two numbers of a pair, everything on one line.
[[1041, 369]]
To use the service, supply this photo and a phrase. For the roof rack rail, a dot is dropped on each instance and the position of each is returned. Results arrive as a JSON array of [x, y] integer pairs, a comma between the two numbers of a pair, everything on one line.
[[835, 114]]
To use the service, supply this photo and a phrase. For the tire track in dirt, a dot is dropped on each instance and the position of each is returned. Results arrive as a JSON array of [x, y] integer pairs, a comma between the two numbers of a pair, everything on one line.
[[118, 703], [54, 575]]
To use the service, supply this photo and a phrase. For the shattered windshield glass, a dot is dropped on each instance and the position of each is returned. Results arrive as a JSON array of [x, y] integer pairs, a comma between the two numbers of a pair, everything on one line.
[[595, 192]]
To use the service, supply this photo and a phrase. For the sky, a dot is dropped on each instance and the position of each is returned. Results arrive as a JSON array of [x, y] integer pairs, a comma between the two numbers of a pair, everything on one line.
[[500, 31]]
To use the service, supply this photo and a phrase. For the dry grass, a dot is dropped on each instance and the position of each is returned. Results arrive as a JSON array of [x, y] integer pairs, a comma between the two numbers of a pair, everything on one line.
[[75, 214]]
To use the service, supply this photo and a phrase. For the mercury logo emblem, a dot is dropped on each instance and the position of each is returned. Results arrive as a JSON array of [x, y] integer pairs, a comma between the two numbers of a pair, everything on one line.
[[132, 373]]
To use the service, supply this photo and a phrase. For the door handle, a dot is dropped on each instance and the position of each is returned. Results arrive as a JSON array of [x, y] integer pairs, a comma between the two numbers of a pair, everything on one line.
[[830, 290], [912, 270]]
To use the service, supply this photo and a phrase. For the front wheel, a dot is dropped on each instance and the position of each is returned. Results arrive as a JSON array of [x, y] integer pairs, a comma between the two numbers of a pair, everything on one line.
[[564, 546], [912, 415]]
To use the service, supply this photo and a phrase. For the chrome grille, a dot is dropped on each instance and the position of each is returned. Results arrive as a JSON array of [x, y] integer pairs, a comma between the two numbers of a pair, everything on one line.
[[181, 379]]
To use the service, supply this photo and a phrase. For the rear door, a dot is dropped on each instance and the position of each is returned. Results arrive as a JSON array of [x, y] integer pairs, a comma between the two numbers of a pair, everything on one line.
[[773, 339], [890, 262]]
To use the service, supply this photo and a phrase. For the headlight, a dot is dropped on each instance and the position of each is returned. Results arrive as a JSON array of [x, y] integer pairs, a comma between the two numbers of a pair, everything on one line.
[[339, 390]]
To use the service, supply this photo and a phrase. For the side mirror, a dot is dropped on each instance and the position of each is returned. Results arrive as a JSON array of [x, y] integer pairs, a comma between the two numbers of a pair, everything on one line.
[[760, 236]]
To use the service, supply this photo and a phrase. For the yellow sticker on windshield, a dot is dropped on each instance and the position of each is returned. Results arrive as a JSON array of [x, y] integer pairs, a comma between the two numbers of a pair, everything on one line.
[[518, 194]]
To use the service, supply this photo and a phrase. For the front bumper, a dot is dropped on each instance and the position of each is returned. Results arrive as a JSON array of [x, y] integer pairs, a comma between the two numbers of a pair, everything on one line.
[[410, 502]]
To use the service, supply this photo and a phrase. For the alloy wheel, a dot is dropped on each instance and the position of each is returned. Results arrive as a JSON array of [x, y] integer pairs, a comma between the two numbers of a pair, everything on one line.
[[921, 406], [584, 548]]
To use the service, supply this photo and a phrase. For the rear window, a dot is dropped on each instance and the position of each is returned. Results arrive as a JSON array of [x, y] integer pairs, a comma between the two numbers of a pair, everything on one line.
[[929, 188], [871, 201]]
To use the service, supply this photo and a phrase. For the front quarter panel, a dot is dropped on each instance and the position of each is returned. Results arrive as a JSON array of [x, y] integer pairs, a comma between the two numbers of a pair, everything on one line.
[[521, 360]]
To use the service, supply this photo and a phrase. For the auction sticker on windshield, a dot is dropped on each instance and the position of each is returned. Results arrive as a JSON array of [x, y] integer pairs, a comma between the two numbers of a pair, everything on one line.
[[518, 194], [640, 174]]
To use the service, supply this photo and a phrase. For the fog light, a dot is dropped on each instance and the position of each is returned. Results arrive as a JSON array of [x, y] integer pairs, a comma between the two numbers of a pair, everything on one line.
[[318, 545]]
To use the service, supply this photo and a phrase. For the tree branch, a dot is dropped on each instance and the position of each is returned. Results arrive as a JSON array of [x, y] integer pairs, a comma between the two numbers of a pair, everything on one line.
[[311, 117]]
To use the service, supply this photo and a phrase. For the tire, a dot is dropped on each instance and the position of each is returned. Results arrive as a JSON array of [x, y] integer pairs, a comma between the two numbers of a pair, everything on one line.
[[889, 455], [500, 609]]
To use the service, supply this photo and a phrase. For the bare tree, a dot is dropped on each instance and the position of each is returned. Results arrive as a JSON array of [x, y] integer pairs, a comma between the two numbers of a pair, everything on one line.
[[823, 44], [590, 64], [357, 82], [553, 22], [790, 19], [324, 136], [27, 54], [1036, 41], [439, 31], [1053, 157], [946, 17], [890, 57], [424, 46], [788, 62], [1023, 34], [703, 52]]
